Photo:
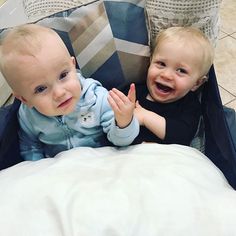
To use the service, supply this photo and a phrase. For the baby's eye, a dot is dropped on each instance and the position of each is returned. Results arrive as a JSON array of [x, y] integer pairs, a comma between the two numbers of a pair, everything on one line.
[[63, 75], [40, 89], [182, 71], [161, 63]]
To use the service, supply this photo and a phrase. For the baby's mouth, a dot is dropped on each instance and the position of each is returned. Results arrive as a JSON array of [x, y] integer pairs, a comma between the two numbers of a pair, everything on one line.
[[164, 88], [65, 103]]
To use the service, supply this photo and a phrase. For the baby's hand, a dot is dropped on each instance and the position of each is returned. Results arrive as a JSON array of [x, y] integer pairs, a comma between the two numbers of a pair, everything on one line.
[[140, 113], [122, 105]]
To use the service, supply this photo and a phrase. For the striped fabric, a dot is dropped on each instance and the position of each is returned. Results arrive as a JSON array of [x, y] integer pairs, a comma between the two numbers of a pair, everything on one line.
[[109, 39]]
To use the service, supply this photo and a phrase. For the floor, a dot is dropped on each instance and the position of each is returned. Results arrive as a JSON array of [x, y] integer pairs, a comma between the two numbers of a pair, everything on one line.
[[225, 55], [2, 1], [12, 13]]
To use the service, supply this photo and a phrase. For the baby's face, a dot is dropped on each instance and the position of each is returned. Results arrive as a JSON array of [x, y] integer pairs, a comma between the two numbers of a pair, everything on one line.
[[47, 81], [173, 72]]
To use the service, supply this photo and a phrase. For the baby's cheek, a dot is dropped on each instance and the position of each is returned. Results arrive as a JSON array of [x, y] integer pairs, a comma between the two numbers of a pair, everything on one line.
[[76, 87]]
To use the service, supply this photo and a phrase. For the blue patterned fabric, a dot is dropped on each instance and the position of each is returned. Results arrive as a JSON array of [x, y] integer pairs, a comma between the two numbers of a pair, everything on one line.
[[109, 39], [127, 21]]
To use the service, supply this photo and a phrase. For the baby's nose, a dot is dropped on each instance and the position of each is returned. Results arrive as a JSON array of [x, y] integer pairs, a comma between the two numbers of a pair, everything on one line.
[[167, 74], [58, 92]]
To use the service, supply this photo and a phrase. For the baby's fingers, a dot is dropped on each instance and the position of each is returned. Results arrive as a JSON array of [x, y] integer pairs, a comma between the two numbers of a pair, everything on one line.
[[137, 105], [118, 96], [112, 103], [132, 93]]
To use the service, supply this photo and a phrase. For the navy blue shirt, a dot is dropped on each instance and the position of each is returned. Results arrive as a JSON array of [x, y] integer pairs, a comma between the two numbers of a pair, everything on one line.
[[182, 118]]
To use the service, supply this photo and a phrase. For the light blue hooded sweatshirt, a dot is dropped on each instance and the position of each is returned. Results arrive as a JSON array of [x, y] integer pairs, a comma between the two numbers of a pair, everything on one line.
[[43, 136]]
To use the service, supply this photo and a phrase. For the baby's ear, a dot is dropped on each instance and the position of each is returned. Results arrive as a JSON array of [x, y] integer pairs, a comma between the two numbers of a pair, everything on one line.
[[22, 99], [73, 61], [199, 82]]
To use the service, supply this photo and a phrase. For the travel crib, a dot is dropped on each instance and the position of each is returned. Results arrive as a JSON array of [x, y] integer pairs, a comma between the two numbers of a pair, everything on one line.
[[219, 146], [109, 39]]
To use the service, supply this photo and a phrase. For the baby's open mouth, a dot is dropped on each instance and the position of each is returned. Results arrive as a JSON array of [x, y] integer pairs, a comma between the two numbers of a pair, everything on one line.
[[164, 88]]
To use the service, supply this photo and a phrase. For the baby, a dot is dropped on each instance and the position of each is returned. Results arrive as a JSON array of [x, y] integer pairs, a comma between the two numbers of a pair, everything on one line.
[[60, 108], [168, 107]]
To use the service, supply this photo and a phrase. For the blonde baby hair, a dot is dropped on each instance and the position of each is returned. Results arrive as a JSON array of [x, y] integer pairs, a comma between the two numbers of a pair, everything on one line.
[[189, 37], [25, 39]]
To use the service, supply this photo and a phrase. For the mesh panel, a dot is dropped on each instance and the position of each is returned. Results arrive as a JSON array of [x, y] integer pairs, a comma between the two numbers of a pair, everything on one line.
[[203, 14], [35, 9]]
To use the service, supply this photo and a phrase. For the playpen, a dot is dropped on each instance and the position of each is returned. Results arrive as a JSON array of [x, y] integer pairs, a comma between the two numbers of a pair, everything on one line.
[[146, 189]]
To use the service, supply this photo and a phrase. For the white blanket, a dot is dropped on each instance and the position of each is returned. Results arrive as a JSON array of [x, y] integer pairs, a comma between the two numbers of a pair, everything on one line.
[[142, 190]]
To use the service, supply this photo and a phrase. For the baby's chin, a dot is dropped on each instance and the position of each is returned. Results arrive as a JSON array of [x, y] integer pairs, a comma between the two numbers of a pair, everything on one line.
[[54, 113]]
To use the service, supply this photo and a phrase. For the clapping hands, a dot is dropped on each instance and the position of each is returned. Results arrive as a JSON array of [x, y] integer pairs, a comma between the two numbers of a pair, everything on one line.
[[122, 105]]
